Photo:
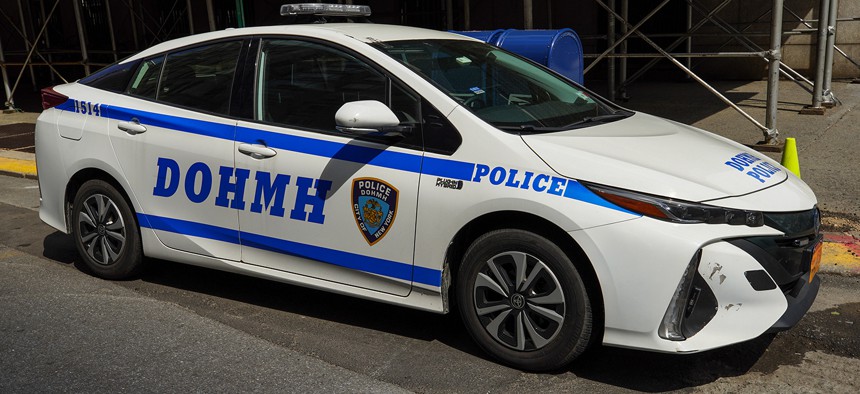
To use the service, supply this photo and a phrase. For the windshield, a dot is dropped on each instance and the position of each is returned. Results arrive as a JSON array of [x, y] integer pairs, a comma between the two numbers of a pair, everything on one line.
[[503, 89]]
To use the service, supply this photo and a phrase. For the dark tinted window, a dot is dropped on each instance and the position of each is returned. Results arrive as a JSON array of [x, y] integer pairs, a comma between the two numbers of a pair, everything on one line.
[[406, 106], [303, 84], [200, 78], [145, 80], [113, 78], [501, 88], [440, 136]]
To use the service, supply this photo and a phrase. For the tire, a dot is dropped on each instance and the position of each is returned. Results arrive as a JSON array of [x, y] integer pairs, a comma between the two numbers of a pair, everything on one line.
[[105, 231], [546, 322]]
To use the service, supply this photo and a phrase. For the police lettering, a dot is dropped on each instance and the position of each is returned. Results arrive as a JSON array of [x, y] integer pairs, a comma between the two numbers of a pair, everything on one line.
[[374, 189], [309, 205], [541, 183], [744, 162]]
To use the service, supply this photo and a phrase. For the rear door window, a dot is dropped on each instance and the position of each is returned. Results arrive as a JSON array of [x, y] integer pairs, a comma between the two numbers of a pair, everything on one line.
[[200, 78]]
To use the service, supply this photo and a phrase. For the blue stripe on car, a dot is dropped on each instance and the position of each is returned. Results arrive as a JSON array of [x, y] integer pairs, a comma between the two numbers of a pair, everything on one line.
[[388, 268], [446, 168]]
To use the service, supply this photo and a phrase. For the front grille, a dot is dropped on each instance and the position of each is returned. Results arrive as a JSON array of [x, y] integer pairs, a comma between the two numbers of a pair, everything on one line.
[[794, 223], [783, 256]]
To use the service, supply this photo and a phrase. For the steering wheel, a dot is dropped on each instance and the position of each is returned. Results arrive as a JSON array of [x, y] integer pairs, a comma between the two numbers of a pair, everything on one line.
[[475, 102]]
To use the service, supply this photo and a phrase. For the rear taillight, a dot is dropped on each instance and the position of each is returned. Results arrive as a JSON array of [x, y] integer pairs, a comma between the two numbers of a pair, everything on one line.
[[51, 99]]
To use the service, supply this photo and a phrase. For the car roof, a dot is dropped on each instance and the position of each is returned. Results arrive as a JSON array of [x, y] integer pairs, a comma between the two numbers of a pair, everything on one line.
[[337, 32]]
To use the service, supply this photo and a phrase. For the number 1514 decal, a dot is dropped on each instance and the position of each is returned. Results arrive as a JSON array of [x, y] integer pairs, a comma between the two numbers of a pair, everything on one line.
[[88, 108]]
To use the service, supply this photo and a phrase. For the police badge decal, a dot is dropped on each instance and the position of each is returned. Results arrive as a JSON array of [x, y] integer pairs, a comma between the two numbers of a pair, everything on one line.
[[374, 204]]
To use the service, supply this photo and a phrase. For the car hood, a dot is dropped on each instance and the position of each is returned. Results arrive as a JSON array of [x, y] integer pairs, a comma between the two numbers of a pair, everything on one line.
[[653, 155]]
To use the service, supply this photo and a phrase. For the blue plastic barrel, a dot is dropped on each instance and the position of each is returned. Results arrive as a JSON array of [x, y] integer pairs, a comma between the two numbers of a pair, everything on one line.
[[489, 36], [560, 50]]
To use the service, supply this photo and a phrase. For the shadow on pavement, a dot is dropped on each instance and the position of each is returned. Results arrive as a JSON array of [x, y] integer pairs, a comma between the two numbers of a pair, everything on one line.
[[59, 247], [657, 372], [630, 369]]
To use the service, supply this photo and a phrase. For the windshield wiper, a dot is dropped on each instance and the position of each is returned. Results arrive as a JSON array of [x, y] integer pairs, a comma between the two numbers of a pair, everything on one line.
[[600, 119], [532, 129], [527, 128]]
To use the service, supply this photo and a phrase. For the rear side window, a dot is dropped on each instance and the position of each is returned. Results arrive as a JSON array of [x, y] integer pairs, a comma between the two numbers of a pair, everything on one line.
[[112, 78], [145, 80], [199, 78]]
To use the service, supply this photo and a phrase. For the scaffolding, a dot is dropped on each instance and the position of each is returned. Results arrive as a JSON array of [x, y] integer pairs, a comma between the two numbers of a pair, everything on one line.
[[620, 30], [147, 29], [39, 51], [820, 88]]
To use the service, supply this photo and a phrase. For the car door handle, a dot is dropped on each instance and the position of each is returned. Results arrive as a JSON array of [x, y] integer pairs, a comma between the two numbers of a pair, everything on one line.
[[257, 151], [132, 127]]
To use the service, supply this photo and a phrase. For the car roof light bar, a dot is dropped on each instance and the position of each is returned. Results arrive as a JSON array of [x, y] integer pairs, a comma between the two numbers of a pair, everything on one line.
[[323, 9]]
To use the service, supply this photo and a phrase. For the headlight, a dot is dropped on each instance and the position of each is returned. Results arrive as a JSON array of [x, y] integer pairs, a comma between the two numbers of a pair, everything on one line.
[[676, 211]]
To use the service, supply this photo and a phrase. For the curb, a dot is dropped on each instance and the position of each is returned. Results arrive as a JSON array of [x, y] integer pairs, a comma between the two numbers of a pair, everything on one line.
[[17, 164], [840, 254]]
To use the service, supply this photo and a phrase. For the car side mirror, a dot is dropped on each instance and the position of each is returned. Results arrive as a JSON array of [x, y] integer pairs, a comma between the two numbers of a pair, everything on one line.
[[369, 118]]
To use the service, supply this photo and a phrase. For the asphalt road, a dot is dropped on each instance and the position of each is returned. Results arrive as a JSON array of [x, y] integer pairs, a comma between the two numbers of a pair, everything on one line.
[[180, 328]]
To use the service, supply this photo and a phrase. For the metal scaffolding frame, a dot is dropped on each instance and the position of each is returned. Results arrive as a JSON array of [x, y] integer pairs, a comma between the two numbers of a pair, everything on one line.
[[36, 46], [620, 31], [820, 89]]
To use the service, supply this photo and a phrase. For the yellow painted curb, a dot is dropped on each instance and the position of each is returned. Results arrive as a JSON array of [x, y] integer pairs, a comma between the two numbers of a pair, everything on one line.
[[839, 257], [17, 166]]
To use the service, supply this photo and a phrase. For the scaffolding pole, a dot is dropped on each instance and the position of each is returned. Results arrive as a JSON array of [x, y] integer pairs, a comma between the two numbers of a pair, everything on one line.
[[85, 59], [828, 99], [190, 17], [622, 64], [689, 36], [467, 15], [211, 14], [821, 46], [110, 27], [771, 134], [26, 41], [528, 14], [449, 14], [610, 62], [47, 39], [9, 103]]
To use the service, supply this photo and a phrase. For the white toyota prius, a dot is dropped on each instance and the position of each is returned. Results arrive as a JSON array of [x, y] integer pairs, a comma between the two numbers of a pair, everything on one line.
[[429, 170]]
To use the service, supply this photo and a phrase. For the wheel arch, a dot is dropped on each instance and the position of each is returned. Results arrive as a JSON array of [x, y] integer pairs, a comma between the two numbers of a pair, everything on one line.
[[89, 173], [535, 224]]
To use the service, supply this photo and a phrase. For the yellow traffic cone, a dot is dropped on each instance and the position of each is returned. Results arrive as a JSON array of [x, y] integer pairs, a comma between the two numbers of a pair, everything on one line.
[[789, 157]]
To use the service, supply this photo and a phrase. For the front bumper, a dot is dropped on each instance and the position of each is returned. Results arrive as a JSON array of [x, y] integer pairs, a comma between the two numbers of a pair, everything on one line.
[[748, 284], [797, 306]]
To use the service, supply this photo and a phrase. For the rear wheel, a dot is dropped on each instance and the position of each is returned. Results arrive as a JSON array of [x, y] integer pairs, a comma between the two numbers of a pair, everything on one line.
[[523, 301], [105, 231]]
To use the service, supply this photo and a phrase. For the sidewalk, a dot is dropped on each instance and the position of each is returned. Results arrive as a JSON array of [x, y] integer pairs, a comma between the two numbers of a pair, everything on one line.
[[827, 145]]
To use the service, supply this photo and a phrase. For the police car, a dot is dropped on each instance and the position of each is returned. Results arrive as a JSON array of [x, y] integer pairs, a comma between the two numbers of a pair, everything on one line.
[[429, 170]]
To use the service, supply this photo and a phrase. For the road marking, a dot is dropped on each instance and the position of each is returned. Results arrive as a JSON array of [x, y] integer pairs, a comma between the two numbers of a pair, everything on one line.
[[15, 135]]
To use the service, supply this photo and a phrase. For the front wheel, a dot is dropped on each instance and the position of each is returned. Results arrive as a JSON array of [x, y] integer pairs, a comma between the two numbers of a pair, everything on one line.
[[523, 300], [105, 231]]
